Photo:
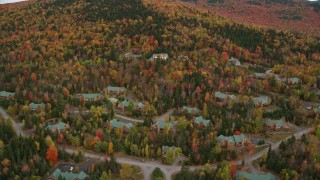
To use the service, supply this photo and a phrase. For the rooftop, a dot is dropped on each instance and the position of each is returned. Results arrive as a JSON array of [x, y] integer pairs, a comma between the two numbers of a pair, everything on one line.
[[221, 95], [60, 125], [119, 124], [271, 122], [69, 175], [6, 94], [116, 89], [232, 139], [36, 106], [91, 96], [200, 120], [166, 148], [191, 109], [260, 75], [162, 124], [261, 99]]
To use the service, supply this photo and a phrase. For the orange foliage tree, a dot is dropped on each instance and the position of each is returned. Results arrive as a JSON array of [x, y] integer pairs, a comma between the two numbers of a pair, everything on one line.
[[52, 154]]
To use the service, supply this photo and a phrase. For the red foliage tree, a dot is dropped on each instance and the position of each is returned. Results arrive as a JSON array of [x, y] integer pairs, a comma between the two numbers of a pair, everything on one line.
[[30, 96], [60, 138], [99, 133], [233, 169]]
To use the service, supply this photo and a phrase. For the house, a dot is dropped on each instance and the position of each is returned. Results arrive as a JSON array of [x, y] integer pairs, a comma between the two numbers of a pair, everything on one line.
[[166, 148], [226, 141], [238, 139], [183, 58], [6, 95], [276, 124], [57, 127], [191, 110], [201, 122], [119, 124], [261, 101], [34, 106], [294, 80], [224, 96], [234, 61], [161, 56], [161, 125], [113, 100], [90, 97], [68, 175], [138, 106], [259, 75], [249, 176], [113, 90], [124, 104]]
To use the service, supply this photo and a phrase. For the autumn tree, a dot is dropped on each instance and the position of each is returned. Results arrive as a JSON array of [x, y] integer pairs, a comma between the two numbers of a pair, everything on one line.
[[52, 154]]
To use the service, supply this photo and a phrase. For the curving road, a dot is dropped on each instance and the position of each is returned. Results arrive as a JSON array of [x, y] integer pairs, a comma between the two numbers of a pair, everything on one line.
[[148, 166]]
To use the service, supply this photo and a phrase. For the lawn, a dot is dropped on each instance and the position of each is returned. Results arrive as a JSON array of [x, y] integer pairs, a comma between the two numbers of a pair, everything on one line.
[[278, 137]]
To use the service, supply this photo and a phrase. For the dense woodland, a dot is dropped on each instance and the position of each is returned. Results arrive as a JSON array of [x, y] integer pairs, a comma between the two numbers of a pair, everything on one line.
[[52, 51], [295, 159]]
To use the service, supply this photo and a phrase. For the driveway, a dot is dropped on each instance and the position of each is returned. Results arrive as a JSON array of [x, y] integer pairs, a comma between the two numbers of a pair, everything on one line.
[[82, 167]]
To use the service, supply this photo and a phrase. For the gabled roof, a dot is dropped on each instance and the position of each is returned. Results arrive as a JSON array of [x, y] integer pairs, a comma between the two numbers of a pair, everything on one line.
[[162, 124], [163, 55], [200, 120], [91, 96], [225, 138], [139, 104], [125, 103], [166, 148], [36, 106], [260, 75], [234, 61], [119, 124], [271, 122], [261, 99], [293, 80], [60, 125], [190, 109], [249, 176], [116, 89], [221, 95], [6, 94], [239, 138], [113, 100], [232, 139], [68, 175]]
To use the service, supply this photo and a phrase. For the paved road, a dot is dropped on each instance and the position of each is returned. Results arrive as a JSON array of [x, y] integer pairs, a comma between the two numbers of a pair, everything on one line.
[[128, 118], [159, 118], [148, 166], [82, 167]]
